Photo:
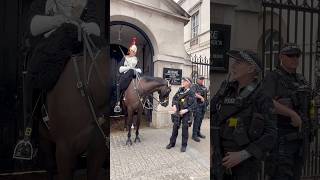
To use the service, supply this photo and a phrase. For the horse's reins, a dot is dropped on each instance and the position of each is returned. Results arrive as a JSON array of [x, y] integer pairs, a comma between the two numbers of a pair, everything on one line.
[[136, 82], [87, 43], [146, 100]]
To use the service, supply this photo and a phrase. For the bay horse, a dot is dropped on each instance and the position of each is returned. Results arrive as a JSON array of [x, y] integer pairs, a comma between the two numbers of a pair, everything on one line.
[[136, 96], [73, 128]]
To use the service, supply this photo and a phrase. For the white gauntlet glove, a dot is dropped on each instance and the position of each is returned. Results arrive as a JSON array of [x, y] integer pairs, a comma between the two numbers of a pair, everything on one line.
[[91, 28]]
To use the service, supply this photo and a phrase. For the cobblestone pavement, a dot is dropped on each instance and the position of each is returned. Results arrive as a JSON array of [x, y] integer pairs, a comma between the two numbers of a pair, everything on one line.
[[150, 160]]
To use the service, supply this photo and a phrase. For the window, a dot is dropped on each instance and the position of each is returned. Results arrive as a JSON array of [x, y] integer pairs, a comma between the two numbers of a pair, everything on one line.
[[195, 25]]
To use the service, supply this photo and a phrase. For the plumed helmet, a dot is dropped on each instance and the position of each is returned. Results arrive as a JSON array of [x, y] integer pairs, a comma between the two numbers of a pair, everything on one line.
[[133, 46]]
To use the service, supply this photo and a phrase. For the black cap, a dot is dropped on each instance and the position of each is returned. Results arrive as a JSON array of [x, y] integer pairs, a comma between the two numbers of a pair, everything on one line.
[[246, 55], [187, 79], [201, 77], [290, 49]]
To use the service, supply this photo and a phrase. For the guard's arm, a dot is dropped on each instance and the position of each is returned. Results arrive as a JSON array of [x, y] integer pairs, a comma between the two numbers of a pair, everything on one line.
[[283, 110], [192, 104], [40, 24], [123, 69]]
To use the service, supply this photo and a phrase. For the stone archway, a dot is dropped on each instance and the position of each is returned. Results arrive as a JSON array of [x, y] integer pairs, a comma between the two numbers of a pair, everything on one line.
[[121, 34]]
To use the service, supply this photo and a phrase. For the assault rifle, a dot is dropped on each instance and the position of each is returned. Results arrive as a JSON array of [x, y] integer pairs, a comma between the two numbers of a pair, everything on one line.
[[217, 168]]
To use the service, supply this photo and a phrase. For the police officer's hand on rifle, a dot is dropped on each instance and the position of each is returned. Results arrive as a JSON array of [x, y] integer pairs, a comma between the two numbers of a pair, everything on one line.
[[234, 158], [231, 159], [183, 111], [200, 97], [295, 120], [174, 108]]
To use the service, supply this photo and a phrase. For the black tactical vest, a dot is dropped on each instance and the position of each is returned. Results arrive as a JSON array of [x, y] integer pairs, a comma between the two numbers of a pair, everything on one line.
[[239, 121]]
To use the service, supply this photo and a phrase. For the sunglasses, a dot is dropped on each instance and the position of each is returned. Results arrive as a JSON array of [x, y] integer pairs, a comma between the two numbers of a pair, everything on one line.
[[293, 55]]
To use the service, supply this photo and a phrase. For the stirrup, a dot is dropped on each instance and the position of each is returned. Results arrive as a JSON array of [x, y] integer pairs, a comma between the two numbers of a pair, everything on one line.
[[23, 149], [117, 108]]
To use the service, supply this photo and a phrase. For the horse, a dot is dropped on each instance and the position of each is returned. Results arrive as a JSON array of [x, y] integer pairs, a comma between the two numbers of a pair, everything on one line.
[[72, 110], [135, 99]]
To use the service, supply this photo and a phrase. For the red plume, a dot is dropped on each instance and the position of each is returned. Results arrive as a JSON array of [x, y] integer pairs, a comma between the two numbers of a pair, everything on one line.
[[133, 41]]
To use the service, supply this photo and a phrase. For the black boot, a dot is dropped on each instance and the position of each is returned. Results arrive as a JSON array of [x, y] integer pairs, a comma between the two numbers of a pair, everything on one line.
[[183, 149], [201, 136], [169, 146], [117, 108], [195, 138]]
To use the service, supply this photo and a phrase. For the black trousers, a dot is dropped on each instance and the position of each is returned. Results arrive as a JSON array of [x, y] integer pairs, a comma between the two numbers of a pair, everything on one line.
[[285, 161], [125, 80], [198, 118], [176, 125]]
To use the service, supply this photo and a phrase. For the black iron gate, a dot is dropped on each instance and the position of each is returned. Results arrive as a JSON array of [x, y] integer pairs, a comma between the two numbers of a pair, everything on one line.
[[295, 21], [200, 67]]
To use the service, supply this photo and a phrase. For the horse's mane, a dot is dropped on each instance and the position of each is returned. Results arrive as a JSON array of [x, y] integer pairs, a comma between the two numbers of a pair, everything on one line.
[[157, 79]]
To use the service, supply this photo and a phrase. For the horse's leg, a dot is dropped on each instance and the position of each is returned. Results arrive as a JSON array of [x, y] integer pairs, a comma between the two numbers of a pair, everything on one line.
[[47, 148], [130, 117], [138, 125], [96, 156], [65, 162], [125, 122]]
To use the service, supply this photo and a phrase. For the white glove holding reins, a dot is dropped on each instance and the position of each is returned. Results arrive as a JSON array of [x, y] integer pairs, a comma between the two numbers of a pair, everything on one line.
[[138, 70], [126, 68]]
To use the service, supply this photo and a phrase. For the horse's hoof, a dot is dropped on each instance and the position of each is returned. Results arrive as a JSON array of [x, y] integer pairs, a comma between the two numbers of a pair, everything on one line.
[[137, 139], [129, 142]]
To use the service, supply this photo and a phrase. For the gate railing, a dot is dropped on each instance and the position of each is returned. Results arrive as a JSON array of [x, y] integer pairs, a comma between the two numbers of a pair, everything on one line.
[[200, 67], [295, 21]]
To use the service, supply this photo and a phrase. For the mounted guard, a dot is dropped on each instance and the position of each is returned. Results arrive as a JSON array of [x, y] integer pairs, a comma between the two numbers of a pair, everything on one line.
[[128, 72], [57, 30]]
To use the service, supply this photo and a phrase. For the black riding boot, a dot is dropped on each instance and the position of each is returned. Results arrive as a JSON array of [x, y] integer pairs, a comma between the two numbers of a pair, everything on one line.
[[117, 107]]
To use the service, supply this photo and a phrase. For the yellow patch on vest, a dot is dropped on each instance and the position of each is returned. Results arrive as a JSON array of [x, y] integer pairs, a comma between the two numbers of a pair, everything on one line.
[[233, 121], [312, 110]]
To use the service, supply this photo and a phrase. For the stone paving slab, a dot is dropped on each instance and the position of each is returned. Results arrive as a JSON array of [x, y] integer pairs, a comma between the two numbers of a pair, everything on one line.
[[150, 160]]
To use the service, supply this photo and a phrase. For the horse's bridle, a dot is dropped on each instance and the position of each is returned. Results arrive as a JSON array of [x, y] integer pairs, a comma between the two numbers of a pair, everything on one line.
[[145, 102]]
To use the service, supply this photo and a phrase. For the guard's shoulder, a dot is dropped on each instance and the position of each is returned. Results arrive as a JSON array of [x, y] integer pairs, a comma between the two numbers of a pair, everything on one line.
[[273, 74], [191, 92]]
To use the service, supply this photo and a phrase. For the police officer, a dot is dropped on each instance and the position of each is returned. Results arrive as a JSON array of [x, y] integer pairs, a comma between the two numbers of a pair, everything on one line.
[[246, 129], [201, 97], [183, 104], [282, 85]]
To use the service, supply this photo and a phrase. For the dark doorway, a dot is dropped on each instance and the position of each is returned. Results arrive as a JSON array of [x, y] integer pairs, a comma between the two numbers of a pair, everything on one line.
[[121, 34]]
